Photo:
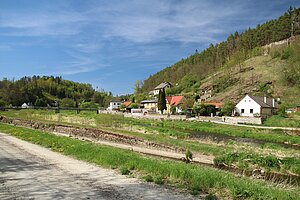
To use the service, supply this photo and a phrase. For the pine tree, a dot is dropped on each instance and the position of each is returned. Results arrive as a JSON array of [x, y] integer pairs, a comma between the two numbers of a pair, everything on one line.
[[162, 103]]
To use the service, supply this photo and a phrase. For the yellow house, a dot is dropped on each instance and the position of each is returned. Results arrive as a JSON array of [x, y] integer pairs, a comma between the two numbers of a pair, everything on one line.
[[150, 105]]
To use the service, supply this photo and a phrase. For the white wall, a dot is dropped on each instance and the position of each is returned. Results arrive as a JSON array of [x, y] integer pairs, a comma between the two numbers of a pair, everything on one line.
[[247, 103], [114, 105]]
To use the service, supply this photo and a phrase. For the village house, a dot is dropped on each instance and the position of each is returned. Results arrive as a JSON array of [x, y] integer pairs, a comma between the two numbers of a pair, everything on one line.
[[163, 85], [150, 105], [174, 101], [251, 106], [114, 105]]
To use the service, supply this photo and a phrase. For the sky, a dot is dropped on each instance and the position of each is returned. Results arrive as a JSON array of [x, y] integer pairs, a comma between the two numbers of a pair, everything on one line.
[[113, 43]]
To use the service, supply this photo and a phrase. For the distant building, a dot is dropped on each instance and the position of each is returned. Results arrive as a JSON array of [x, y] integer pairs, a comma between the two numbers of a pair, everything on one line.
[[25, 105], [127, 103], [114, 105], [163, 85], [150, 105], [251, 106], [174, 101]]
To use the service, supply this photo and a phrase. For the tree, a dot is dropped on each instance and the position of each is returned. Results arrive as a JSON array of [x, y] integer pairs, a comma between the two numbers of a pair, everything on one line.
[[162, 103], [227, 108], [66, 102], [188, 103], [138, 86], [2, 103]]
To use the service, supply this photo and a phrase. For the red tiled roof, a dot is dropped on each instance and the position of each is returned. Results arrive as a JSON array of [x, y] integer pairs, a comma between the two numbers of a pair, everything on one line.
[[127, 103], [217, 104], [174, 100]]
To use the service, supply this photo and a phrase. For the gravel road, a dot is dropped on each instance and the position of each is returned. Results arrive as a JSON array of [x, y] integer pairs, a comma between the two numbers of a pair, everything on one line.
[[28, 171]]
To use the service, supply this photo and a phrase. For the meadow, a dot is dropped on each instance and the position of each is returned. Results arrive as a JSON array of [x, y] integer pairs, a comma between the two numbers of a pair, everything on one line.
[[196, 179], [269, 155]]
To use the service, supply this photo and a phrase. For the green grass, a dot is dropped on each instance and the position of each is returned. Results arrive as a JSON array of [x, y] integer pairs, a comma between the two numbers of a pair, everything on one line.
[[176, 128], [276, 120], [164, 133], [192, 177], [268, 163]]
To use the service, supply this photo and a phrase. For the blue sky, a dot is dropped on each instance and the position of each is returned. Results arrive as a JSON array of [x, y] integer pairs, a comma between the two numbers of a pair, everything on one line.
[[113, 43]]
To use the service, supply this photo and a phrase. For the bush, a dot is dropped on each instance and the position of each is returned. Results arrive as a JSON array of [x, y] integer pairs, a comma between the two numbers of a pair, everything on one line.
[[125, 171], [227, 108], [286, 53], [276, 54], [66, 102], [2, 103], [211, 197], [88, 105], [159, 180], [148, 178], [188, 156]]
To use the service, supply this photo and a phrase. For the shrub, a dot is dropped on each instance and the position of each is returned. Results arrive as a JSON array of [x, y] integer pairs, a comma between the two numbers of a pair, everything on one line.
[[159, 180], [188, 156], [125, 171], [148, 178]]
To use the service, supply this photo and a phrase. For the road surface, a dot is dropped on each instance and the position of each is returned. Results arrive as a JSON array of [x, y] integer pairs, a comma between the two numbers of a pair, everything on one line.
[[28, 171]]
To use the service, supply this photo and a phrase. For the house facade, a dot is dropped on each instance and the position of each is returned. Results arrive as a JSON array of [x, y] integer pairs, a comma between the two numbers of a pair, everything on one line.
[[163, 85], [150, 105], [114, 105], [174, 101], [251, 106]]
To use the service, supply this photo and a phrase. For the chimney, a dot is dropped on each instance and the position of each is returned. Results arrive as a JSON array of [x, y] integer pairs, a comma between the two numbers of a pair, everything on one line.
[[265, 100], [273, 103]]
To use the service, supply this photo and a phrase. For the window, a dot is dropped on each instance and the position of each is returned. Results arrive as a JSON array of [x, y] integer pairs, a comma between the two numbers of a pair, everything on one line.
[[249, 100], [242, 110], [251, 110]]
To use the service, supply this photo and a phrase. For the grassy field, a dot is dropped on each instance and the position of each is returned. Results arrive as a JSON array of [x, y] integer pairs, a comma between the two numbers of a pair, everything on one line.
[[175, 133], [192, 177], [293, 120]]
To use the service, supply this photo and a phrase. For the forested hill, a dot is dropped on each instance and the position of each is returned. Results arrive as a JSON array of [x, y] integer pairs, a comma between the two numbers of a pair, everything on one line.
[[188, 73], [50, 91]]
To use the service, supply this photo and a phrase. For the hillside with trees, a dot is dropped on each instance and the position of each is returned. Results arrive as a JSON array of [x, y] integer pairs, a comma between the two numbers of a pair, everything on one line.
[[190, 74], [44, 91]]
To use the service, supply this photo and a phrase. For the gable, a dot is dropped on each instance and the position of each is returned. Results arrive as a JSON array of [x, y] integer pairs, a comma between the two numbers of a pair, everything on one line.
[[246, 102]]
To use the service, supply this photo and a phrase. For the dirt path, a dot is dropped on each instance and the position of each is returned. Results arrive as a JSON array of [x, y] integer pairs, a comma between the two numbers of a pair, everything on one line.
[[199, 158], [29, 171]]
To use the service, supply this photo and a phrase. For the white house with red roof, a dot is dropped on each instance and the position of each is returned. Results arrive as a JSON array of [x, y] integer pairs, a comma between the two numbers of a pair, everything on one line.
[[174, 101], [251, 106]]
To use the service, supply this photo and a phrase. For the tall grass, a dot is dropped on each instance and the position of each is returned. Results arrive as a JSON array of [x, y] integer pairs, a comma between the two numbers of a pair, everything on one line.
[[193, 177]]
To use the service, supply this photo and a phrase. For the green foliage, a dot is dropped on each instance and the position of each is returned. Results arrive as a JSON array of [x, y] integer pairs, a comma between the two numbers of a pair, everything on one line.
[[173, 110], [237, 48], [188, 103], [276, 54], [287, 53], [125, 171], [188, 155], [43, 90], [204, 109], [227, 108], [162, 102], [148, 178], [134, 105], [2, 103], [291, 73], [211, 197], [40, 102], [67, 102], [88, 105]]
